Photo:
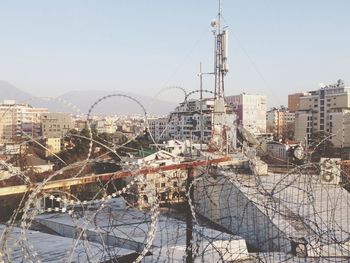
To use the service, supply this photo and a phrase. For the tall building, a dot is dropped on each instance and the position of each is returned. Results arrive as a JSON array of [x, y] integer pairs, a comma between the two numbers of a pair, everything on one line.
[[250, 110], [186, 122], [280, 122], [56, 124], [19, 120], [325, 110], [159, 129]]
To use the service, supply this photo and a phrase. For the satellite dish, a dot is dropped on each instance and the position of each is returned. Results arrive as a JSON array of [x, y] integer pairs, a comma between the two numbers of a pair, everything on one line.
[[299, 153], [328, 177], [322, 85]]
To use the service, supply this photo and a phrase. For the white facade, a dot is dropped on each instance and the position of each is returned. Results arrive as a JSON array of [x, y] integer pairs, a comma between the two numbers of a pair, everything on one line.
[[251, 111], [106, 126], [18, 120], [187, 123], [158, 127]]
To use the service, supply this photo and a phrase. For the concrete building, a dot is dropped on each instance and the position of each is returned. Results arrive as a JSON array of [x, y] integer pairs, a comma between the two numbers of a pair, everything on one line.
[[56, 124], [279, 151], [54, 145], [325, 110], [169, 185], [159, 129], [186, 122], [106, 126], [250, 110], [18, 120], [274, 212], [280, 122]]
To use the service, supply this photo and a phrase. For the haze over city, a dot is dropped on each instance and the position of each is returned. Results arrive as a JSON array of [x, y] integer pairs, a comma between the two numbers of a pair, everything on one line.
[[276, 48], [174, 131]]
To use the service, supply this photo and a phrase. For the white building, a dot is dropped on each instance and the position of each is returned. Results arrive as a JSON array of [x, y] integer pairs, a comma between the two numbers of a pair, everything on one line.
[[250, 110], [106, 126], [158, 127], [18, 120], [187, 123]]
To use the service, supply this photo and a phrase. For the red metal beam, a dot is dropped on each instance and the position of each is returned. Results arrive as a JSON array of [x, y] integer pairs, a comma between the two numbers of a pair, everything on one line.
[[18, 189]]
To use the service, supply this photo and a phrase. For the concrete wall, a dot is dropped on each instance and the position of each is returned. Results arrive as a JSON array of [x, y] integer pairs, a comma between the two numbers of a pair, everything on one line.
[[222, 202]]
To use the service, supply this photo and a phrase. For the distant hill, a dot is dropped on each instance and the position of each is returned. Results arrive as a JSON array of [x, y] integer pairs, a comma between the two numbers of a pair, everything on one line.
[[84, 99], [117, 104], [10, 92]]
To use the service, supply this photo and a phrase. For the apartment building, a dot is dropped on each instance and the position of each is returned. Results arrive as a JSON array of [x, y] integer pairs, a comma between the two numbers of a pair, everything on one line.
[[325, 110], [53, 145], [106, 126], [159, 129], [250, 110], [280, 122], [193, 120], [19, 120], [56, 124]]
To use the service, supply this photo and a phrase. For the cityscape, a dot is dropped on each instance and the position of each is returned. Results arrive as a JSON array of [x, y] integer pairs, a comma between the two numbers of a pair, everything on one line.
[[217, 176]]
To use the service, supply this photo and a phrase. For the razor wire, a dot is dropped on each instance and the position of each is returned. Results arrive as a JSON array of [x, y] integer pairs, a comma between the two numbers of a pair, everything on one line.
[[235, 213]]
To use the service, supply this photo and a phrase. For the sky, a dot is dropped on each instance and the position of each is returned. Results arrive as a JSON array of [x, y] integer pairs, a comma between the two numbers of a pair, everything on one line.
[[276, 47]]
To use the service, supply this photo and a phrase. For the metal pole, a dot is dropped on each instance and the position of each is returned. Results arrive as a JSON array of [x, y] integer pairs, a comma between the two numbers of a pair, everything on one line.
[[201, 102], [189, 225]]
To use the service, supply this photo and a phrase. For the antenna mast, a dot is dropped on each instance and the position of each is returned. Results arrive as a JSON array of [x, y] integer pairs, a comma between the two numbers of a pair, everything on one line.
[[220, 55], [219, 140]]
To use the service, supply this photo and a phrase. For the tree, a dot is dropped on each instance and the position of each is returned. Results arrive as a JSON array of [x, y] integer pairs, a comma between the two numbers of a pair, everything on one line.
[[322, 146]]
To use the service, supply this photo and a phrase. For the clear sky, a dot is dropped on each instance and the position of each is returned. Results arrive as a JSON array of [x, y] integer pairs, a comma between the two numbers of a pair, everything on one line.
[[276, 47]]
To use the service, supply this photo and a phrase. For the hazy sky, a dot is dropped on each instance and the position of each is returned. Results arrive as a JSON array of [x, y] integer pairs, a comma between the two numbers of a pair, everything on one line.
[[276, 47]]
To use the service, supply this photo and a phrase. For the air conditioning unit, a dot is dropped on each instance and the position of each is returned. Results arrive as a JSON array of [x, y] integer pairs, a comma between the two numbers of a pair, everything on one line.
[[330, 171]]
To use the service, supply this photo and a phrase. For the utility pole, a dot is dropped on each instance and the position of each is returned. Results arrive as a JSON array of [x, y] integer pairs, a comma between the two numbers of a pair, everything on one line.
[[189, 224], [201, 102]]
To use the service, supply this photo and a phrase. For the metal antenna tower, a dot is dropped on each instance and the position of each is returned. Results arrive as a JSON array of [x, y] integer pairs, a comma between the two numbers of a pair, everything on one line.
[[219, 129], [220, 54]]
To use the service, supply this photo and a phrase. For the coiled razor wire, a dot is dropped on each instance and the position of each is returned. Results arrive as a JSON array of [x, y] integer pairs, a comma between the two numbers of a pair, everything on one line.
[[237, 215]]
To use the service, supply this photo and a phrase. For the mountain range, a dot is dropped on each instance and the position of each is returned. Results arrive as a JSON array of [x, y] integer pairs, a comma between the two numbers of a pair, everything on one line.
[[83, 100]]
